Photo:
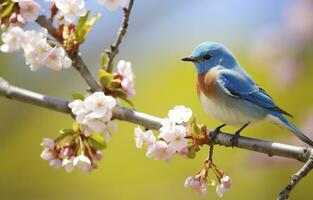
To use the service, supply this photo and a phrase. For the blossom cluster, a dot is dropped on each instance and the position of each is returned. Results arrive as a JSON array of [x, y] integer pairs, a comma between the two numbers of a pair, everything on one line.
[[94, 114], [201, 181], [70, 154], [172, 137], [37, 51]]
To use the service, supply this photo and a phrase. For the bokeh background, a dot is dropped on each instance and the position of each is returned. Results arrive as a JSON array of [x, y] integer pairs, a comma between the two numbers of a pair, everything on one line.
[[273, 40]]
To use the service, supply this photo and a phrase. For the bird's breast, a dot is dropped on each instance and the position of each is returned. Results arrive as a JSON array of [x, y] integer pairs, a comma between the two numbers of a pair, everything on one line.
[[206, 84]]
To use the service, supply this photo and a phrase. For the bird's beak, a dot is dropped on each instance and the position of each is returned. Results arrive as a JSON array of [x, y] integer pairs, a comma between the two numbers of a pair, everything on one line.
[[190, 59]]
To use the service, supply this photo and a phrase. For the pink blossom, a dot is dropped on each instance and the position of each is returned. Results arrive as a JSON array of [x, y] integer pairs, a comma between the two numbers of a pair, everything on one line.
[[48, 143], [197, 183], [29, 9], [124, 69], [160, 151], [224, 186]]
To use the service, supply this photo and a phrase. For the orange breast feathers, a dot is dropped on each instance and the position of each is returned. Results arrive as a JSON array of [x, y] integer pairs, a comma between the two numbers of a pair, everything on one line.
[[206, 83]]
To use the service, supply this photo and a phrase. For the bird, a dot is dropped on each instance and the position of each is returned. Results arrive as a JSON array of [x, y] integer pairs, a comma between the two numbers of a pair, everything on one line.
[[230, 95]]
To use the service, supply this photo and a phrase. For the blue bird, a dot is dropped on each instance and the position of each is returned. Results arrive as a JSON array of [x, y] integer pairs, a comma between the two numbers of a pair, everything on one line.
[[229, 94]]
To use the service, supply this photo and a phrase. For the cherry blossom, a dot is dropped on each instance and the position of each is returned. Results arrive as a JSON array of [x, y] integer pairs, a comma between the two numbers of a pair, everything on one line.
[[48, 143], [83, 163], [71, 8], [175, 137], [67, 164], [124, 69], [197, 183], [143, 137], [225, 185], [160, 151], [29, 9], [180, 114], [13, 39], [112, 5]]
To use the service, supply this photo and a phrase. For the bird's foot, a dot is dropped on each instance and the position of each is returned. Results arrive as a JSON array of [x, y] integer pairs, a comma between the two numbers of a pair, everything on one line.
[[216, 131], [234, 139]]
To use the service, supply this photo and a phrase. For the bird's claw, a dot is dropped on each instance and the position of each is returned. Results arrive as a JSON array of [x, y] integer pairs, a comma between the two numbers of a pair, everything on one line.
[[216, 131]]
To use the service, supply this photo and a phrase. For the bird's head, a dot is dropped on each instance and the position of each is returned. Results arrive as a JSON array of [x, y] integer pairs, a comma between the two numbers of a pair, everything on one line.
[[210, 54]]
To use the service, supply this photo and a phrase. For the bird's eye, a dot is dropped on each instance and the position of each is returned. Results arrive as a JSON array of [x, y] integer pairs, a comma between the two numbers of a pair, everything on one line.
[[207, 56]]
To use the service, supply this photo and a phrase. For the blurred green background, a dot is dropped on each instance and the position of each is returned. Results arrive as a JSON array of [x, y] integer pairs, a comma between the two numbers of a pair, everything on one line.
[[272, 39]]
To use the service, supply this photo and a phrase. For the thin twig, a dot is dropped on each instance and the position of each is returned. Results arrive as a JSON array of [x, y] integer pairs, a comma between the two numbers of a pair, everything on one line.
[[114, 48], [307, 167], [78, 62]]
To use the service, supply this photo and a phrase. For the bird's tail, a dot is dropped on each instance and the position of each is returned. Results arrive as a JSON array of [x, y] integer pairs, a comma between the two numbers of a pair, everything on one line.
[[283, 121]]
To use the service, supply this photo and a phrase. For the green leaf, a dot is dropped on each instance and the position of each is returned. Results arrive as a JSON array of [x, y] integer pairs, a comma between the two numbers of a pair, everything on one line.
[[75, 127], [64, 133], [77, 95], [103, 60], [195, 127], [191, 152], [105, 78], [82, 21], [81, 35], [7, 10], [97, 141]]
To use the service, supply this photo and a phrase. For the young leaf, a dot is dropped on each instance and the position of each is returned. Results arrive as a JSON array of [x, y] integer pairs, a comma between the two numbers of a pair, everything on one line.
[[122, 95], [77, 95], [7, 10], [195, 127], [64, 133], [81, 35], [97, 141], [191, 152], [103, 60], [105, 78], [82, 21], [75, 127]]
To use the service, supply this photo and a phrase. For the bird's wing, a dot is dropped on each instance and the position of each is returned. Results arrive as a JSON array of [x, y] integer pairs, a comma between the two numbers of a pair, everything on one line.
[[240, 86]]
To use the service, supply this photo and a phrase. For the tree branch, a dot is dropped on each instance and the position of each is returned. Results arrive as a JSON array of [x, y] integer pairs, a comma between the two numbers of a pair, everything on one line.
[[78, 62], [301, 154], [114, 48], [16, 93], [307, 167]]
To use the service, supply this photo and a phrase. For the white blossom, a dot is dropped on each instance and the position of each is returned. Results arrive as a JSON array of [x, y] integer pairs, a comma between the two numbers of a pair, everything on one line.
[[142, 137], [100, 105], [13, 39], [160, 151], [180, 114], [124, 69], [56, 59], [175, 137], [71, 8], [67, 164], [29, 9], [112, 5], [83, 163]]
